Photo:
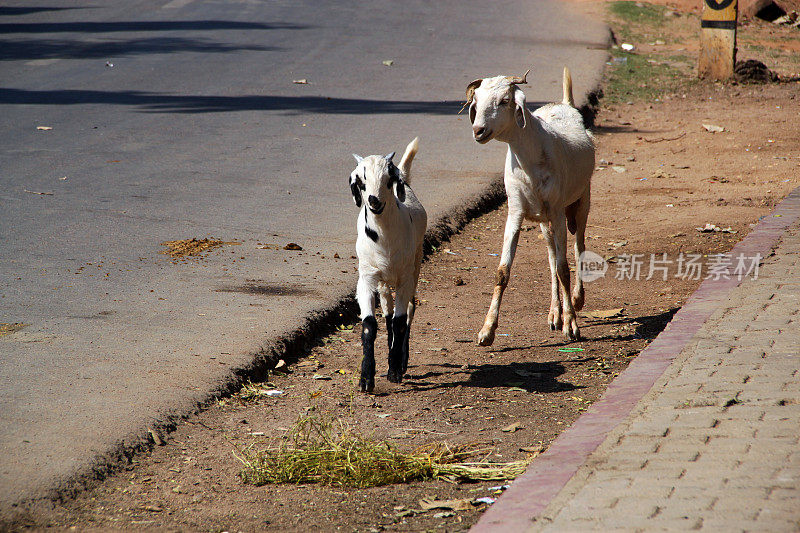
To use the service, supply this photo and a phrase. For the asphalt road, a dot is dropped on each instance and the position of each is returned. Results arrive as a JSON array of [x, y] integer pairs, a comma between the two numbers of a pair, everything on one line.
[[198, 130]]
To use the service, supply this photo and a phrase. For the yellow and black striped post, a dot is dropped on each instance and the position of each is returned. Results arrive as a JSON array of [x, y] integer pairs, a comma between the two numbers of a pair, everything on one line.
[[718, 39]]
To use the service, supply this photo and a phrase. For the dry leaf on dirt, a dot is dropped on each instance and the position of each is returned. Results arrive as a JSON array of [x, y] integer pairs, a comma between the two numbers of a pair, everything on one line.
[[301, 81], [388, 62], [427, 504], [516, 426], [529, 449], [711, 228], [713, 129], [43, 128], [292, 246]]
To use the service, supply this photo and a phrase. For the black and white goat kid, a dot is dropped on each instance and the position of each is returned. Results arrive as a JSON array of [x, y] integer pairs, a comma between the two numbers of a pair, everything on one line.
[[391, 229]]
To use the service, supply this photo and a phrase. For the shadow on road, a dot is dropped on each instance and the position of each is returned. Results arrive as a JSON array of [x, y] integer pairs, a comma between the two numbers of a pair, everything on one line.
[[164, 103], [133, 26], [30, 49], [27, 10]]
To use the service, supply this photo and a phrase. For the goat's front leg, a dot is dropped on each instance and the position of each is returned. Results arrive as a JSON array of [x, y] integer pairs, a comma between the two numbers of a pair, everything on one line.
[[369, 330], [570, 326], [510, 239]]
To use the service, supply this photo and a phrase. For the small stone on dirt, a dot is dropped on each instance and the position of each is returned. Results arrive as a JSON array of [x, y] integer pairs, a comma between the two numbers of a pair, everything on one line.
[[603, 313], [713, 129]]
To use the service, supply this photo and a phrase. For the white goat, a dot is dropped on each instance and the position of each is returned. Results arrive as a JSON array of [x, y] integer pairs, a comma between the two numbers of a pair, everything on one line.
[[548, 170], [391, 228]]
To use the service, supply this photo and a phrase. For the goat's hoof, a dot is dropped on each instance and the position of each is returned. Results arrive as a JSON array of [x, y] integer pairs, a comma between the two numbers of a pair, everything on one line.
[[572, 333], [486, 337], [395, 376], [552, 326], [367, 384]]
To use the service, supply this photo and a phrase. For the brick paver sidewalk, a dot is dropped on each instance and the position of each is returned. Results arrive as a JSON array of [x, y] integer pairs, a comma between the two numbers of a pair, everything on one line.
[[715, 444]]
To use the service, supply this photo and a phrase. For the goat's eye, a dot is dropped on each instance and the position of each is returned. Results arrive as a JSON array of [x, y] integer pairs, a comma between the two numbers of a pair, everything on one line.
[[505, 101]]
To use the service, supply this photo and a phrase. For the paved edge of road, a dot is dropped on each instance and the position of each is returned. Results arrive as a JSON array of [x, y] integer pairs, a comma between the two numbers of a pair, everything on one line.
[[531, 493]]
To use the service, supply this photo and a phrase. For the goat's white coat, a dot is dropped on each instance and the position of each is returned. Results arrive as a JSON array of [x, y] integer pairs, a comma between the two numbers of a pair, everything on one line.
[[548, 170], [395, 259], [391, 229]]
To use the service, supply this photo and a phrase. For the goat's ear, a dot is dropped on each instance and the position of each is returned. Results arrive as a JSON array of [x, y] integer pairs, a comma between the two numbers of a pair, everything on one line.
[[355, 190], [471, 89], [389, 157], [358, 158], [400, 190], [519, 108]]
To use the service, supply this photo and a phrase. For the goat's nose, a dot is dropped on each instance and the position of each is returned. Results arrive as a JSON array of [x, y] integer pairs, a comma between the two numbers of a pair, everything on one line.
[[478, 130]]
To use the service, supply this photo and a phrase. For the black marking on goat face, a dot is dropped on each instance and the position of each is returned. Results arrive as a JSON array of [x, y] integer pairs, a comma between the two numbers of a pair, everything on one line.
[[356, 186], [371, 233]]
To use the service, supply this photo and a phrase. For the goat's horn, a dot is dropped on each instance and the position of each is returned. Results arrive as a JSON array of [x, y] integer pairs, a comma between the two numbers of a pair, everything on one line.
[[516, 80]]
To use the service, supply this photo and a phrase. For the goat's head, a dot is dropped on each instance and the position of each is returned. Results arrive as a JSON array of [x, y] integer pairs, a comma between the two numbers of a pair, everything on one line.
[[376, 180], [495, 105]]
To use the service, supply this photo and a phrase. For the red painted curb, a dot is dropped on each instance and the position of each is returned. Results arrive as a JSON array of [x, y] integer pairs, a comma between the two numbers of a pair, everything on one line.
[[532, 492]]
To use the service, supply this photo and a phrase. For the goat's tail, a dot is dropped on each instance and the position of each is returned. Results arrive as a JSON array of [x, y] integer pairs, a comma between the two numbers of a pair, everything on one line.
[[408, 157], [568, 100]]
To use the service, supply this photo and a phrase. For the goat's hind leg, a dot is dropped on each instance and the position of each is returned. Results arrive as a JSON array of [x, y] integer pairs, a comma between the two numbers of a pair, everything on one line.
[[387, 305], [570, 326], [369, 330], [581, 216], [412, 307], [554, 316], [398, 352]]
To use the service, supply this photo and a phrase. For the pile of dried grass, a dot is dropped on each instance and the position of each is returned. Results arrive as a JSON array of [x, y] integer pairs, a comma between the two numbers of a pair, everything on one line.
[[329, 452], [191, 247]]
